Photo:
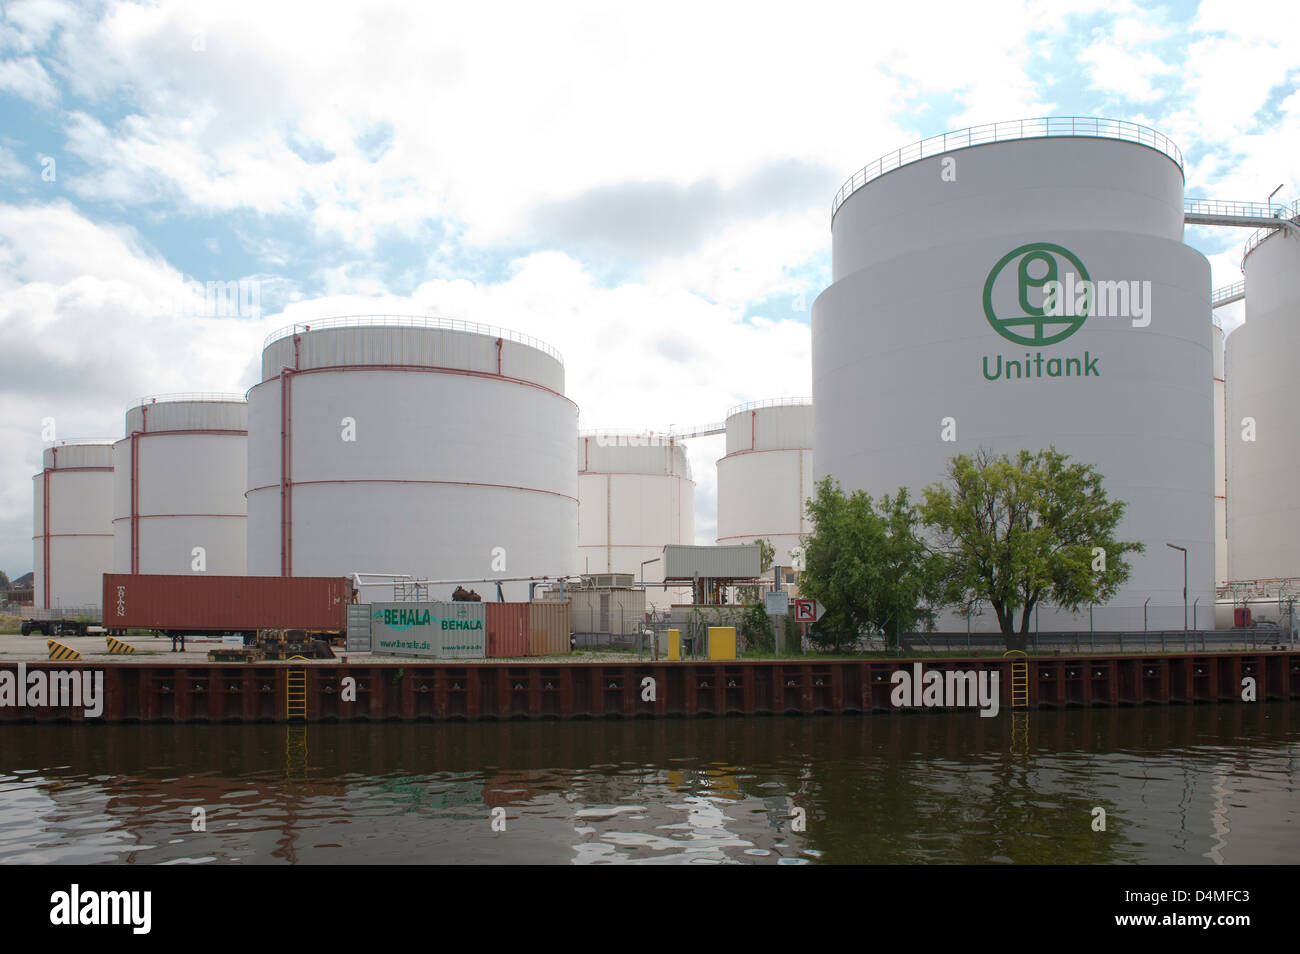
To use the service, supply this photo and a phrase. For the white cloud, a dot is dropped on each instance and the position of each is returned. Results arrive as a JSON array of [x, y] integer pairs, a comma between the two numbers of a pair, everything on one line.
[[12, 168], [26, 78], [1118, 68], [496, 112]]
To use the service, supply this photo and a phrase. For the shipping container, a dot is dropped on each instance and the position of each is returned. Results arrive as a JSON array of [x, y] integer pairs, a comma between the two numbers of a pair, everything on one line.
[[507, 629], [548, 628], [205, 604]]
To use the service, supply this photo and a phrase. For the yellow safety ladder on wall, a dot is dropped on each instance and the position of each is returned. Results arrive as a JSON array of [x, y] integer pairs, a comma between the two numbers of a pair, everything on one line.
[[1019, 678], [295, 694]]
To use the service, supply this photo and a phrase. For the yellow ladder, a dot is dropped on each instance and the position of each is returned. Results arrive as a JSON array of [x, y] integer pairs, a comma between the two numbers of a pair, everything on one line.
[[295, 695], [1019, 678]]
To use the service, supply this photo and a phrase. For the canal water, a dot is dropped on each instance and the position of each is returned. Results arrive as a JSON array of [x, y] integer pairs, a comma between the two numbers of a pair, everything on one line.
[[1181, 785]]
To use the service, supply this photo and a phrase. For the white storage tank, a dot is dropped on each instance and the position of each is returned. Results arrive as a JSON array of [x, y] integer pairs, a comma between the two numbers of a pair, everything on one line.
[[73, 526], [935, 338], [1263, 434], [409, 445], [179, 480], [767, 474], [635, 495]]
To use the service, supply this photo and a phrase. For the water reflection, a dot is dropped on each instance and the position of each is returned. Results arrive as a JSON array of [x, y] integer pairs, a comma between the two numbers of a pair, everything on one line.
[[1204, 784]]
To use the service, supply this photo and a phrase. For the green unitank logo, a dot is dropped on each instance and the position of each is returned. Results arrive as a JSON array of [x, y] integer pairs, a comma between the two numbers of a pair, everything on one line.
[[1039, 268]]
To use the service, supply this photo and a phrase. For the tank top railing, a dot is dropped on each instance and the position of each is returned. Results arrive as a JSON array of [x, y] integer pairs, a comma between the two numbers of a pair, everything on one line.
[[1041, 128]]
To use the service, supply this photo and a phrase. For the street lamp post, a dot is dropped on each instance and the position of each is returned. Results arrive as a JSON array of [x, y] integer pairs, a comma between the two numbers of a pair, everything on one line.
[[641, 625], [1174, 546]]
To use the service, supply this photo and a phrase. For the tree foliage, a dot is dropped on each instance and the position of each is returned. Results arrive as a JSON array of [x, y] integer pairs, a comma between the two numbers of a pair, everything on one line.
[[1016, 532], [868, 565]]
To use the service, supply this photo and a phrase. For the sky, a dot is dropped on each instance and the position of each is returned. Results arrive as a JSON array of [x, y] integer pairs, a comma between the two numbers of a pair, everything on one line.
[[647, 188]]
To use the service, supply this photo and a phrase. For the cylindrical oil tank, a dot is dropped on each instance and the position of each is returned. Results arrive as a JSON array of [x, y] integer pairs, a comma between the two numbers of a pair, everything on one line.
[[1263, 435], [73, 527], [937, 338], [178, 488], [635, 495], [1220, 462], [767, 475], [410, 445]]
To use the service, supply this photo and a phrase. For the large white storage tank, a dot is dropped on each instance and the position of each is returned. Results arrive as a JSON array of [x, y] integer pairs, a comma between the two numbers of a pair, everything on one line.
[[73, 527], [767, 474], [1262, 429], [409, 445], [179, 481], [635, 495], [933, 328]]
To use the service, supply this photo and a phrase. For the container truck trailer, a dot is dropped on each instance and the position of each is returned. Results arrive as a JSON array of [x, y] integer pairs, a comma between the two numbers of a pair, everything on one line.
[[194, 605]]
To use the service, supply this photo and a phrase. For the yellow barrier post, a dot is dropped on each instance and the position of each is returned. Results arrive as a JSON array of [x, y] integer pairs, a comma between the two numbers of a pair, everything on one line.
[[674, 645], [722, 642]]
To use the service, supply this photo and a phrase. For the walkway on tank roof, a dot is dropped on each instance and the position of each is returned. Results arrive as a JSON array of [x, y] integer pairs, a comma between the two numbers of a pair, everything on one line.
[[411, 321], [1265, 216], [1009, 131]]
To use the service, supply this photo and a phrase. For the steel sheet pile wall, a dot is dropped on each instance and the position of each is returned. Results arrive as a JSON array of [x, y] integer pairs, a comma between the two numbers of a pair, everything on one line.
[[766, 476], [1262, 435], [72, 538], [178, 490], [409, 690], [936, 338], [411, 445], [215, 603]]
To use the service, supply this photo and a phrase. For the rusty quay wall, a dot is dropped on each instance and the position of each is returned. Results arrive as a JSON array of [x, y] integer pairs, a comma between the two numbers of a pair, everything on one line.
[[400, 690]]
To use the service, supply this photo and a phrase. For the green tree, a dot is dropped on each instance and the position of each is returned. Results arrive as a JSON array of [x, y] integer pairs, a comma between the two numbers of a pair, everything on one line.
[[1017, 532], [867, 563], [4, 580], [754, 594]]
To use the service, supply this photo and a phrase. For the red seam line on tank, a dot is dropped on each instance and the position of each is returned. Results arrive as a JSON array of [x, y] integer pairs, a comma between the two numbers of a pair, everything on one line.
[[41, 536], [1220, 380], [429, 369], [230, 432], [146, 516], [778, 533], [630, 473], [392, 480], [602, 546], [766, 450]]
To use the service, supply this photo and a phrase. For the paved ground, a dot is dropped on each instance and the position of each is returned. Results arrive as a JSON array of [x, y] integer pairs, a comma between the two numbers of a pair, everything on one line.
[[157, 651]]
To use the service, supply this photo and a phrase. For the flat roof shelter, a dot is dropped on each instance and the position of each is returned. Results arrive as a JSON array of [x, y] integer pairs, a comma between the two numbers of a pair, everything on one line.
[[709, 569]]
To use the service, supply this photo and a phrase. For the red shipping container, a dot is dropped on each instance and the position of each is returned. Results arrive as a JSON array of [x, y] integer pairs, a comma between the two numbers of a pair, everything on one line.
[[507, 629], [197, 604]]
